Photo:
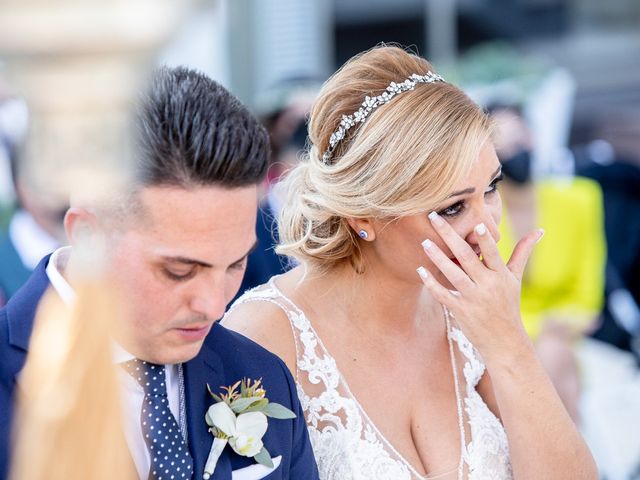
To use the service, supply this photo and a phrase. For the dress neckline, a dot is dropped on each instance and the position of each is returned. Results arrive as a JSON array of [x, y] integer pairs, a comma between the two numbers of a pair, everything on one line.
[[362, 411]]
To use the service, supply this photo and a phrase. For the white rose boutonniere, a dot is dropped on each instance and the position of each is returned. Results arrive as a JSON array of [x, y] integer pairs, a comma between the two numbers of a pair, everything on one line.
[[239, 418]]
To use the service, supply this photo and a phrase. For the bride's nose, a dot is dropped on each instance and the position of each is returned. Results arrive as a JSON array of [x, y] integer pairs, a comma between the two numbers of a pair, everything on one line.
[[489, 222]]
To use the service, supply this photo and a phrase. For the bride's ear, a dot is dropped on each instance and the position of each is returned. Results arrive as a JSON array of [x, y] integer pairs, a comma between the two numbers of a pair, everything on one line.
[[363, 228]]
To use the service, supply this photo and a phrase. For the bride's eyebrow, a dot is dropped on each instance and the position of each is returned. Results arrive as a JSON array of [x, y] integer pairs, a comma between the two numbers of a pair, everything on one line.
[[467, 191]]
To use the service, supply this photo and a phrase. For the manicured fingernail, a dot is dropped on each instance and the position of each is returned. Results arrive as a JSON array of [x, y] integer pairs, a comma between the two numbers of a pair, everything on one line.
[[427, 243], [455, 293], [422, 272], [481, 229], [541, 230], [436, 219]]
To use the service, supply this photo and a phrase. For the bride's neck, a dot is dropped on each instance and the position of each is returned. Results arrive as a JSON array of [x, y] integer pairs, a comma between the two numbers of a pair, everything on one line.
[[375, 300]]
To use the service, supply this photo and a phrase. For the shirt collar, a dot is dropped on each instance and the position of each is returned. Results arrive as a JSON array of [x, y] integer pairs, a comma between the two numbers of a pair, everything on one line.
[[57, 264]]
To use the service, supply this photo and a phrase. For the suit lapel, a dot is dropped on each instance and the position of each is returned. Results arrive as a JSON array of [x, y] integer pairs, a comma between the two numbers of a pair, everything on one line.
[[21, 309], [204, 369]]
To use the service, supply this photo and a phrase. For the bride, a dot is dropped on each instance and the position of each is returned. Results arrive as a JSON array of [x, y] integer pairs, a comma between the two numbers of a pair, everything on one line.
[[401, 323]]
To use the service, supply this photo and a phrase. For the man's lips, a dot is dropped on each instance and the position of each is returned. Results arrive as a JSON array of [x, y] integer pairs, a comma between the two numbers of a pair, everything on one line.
[[194, 332], [198, 326]]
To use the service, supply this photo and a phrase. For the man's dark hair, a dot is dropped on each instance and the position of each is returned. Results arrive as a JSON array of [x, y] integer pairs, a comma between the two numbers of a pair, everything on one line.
[[192, 131]]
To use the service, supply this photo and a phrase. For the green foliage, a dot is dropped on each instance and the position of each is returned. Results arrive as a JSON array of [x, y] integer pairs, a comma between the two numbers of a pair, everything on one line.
[[264, 458], [275, 410], [250, 398]]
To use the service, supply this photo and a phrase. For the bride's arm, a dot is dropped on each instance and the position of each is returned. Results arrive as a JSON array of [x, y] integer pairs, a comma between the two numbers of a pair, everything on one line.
[[543, 440]]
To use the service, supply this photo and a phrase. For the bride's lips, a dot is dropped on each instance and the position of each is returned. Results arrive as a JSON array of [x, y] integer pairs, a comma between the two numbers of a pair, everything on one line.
[[455, 260]]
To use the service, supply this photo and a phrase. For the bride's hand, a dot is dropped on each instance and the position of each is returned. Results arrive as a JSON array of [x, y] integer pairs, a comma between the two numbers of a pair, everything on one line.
[[486, 299]]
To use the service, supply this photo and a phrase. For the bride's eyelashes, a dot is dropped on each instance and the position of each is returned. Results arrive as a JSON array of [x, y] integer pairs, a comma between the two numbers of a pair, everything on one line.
[[457, 208], [452, 210]]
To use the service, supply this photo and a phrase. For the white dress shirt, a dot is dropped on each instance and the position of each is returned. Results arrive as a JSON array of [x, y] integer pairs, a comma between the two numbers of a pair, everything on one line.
[[132, 392]]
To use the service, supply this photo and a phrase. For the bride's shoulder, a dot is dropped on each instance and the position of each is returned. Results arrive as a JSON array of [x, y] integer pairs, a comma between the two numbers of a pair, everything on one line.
[[261, 316]]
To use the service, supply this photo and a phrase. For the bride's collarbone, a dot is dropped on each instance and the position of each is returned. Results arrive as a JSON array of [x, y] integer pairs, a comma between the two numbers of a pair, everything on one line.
[[364, 348]]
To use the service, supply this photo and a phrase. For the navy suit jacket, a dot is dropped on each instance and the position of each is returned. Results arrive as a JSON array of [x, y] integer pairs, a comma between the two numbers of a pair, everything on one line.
[[225, 358]]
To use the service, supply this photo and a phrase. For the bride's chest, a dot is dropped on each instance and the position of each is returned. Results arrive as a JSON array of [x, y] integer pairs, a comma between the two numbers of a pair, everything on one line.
[[408, 398]]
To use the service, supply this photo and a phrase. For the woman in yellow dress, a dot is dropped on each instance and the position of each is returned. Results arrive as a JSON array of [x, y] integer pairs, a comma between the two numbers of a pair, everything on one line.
[[563, 285]]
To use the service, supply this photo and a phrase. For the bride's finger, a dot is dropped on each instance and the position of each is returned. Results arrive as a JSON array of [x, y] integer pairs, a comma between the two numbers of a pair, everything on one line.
[[458, 277], [522, 251], [446, 297], [462, 251], [488, 248]]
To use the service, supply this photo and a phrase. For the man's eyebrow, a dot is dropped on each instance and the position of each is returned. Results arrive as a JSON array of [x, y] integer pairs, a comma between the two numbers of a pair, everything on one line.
[[186, 261], [249, 252], [191, 261], [471, 190]]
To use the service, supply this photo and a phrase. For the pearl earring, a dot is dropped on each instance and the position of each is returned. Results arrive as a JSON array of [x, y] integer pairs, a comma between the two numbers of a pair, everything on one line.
[[363, 234]]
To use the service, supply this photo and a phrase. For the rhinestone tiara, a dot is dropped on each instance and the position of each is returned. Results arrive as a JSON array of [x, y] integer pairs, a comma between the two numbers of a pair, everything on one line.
[[371, 103]]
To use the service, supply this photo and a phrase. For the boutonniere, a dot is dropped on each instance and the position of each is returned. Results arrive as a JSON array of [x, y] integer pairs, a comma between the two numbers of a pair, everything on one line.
[[239, 418]]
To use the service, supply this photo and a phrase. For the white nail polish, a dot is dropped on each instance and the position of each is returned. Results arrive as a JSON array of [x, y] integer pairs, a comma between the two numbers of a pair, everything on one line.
[[436, 219], [427, 243], [422, 272], [481, 229]]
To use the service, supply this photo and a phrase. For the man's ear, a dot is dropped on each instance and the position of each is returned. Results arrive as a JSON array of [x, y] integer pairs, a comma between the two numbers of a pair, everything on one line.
[[80, 225], [363, 227]]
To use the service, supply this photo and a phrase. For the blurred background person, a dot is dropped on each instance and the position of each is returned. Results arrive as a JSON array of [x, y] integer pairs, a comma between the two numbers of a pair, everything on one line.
[[618, 173], [35, 225], [286, 110], [563, 285], [13, 125]]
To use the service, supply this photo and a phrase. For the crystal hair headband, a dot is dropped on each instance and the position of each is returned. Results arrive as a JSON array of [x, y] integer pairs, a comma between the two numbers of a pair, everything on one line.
[[371, 103]]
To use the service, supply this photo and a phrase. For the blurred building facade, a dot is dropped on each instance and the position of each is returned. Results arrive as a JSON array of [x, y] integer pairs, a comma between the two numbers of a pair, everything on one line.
[[598, 43]]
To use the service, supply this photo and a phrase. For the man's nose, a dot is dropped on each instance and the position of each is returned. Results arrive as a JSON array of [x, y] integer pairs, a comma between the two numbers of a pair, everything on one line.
[[209, 299]]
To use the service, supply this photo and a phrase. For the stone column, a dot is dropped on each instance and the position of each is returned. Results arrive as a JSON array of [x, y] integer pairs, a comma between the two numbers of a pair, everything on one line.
[[79, 64]]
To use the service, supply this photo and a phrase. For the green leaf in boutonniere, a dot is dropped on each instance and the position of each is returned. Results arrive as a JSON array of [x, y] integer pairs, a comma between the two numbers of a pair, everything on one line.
[[275, 410], [263, 458], [240, 405], [257, 406]]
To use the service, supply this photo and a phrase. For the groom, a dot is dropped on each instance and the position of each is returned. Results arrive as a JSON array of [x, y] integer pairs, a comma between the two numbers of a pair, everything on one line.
[[177, 250]]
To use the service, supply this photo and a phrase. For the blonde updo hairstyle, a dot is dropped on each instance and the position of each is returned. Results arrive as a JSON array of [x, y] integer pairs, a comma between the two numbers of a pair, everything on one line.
[[404, 160]]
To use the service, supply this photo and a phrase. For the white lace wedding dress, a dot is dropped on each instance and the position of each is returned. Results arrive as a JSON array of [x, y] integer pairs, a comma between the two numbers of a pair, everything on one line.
[[346, 443]]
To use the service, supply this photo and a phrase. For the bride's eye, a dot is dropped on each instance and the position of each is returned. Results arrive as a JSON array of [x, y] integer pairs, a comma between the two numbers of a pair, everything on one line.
[[494, 185], [452, 210]]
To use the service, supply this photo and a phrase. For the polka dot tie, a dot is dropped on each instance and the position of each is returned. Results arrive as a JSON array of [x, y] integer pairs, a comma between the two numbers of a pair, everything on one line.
[[170, 458]]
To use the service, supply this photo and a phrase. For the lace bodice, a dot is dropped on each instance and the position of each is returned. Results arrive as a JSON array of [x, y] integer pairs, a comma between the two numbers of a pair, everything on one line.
[[346, 443]]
